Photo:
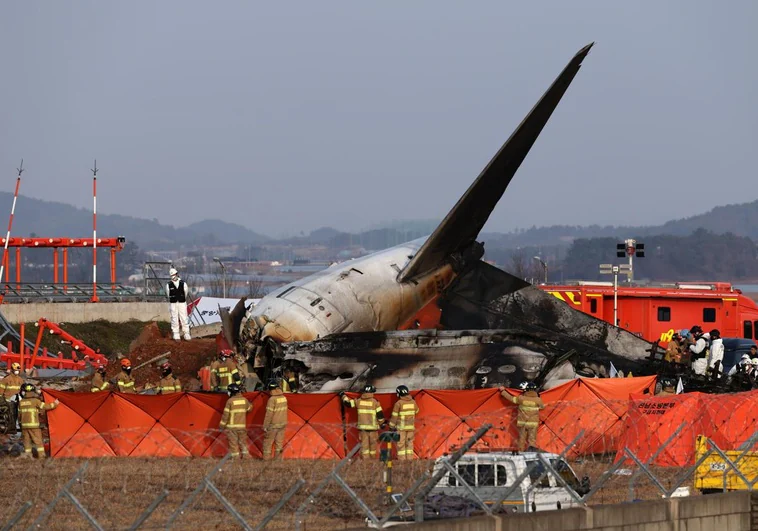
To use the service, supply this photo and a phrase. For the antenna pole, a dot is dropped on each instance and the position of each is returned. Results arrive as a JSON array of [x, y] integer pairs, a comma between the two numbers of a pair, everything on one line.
[[20, 170], [94, 233]]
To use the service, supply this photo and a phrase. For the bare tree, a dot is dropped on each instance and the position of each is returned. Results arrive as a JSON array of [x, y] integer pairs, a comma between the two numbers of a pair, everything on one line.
[[523, 267], [216, 285], [255, 289]]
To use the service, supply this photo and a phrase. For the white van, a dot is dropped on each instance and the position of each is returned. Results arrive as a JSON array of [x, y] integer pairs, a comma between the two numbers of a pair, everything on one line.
[[491, 474]]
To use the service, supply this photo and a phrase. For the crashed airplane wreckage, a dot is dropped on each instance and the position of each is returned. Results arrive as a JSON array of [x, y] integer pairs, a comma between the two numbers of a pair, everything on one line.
[[342, 326]]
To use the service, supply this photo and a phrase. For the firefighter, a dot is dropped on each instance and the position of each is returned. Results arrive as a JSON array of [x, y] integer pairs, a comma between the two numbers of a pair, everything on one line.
[[168, 383], [667, 387], [99, 383], [11, 384], [30, 408], [370, 419], [275, 421], [224, 371], [289, 381], [234, 421], [403, 420], [177, 297], [529, 405], [124, 379], [674, 349]]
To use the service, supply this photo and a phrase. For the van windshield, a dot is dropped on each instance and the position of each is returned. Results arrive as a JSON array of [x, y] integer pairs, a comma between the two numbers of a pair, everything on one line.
[[565, 472]]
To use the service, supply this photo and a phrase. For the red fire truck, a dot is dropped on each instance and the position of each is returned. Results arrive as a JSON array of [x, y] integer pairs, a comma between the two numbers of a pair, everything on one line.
[[656, 312]]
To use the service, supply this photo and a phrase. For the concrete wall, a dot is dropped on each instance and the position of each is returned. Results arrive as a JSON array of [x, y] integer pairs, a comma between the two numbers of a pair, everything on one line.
[[84, 312], [720, 512]]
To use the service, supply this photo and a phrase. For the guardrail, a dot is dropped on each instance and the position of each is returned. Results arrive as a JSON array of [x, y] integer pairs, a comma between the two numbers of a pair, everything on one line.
[[47, 292]]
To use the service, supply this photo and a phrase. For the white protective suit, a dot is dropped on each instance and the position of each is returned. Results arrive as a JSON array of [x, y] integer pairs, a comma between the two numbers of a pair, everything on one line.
[[717, 354], [178, 311], [699, 366]]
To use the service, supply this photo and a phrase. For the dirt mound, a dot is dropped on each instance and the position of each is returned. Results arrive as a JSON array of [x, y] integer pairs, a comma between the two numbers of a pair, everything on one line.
[[150, 333], [186, 357]]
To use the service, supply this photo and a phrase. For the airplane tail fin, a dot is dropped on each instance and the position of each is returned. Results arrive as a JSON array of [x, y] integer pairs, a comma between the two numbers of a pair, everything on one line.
[[463, 223]]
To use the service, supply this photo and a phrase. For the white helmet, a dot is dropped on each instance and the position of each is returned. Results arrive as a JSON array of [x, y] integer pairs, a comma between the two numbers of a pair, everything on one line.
[[173, 272], [754, 362], [746, 356]]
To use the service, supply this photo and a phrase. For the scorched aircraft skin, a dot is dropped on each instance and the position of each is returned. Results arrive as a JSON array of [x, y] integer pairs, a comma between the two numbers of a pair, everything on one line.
[[378, 293]]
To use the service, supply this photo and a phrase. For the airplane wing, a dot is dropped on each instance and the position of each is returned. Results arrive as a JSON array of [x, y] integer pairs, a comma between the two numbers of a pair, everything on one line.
[[463, 223]]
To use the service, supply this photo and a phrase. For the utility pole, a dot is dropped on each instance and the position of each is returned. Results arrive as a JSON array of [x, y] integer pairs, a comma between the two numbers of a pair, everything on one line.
[[615, 270], [94, 233], [544, 266], [20, 170]]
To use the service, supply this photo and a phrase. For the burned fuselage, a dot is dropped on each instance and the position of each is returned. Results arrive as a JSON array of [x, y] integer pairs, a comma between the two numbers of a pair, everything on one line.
[[341, 325]]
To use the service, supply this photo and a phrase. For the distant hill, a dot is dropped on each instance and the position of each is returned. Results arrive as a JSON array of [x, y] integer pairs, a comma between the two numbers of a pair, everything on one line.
[[48, 218]]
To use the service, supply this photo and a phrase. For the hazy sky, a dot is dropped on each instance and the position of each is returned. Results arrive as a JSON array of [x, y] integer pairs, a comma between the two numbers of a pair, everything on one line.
[[288, 116]]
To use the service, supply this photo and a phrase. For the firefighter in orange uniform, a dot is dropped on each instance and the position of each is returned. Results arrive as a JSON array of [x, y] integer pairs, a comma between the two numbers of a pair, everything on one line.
[[370, 419], [224, 371], [234, 421], [529, 405], [124, 379], [11, 384], [403, 420], [30, 407], [99, 383], [168, 384], [275, 421]]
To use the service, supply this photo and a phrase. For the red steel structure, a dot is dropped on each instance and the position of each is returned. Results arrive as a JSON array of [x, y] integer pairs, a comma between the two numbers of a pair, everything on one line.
[[81, 354], [114, 244]]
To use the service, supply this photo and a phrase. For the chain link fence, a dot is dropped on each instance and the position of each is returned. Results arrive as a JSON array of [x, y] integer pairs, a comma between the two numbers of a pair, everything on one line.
[[313, 493]]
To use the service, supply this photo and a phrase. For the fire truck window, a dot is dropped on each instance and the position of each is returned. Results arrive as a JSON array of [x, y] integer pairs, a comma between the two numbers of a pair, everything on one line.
[[593, 305], [709, 315], [747, 330], [664, 313], [755, 327]]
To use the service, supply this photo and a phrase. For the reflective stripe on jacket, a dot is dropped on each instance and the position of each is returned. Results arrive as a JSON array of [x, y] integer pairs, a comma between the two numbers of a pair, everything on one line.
[[276, 410], [29, 409], [10, 385], [125, 382], [224, 374], [99, 383], [370, 414], [169, 384], [235, 413], [529, 405], [404, 414]]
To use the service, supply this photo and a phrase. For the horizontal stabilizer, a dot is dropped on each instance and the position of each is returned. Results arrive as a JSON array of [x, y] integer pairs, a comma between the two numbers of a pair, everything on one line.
[[463, 223]]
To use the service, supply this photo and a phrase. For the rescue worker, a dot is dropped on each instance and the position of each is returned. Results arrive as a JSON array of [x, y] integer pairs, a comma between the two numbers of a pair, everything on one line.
[[667, 387], [99, 383], [234, 421], [275, 421], [168, 384], [741, 367], [224, 371], [674, 349], [699, 351], [716, 354], [124, 379], [30, 408], [370, 419], [403, 420], [753, 374], [529, 405], [11, 384], [289, 381], [177, 297]]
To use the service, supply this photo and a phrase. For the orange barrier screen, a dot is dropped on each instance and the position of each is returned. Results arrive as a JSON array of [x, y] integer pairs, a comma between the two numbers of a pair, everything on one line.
[[185, 424]]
